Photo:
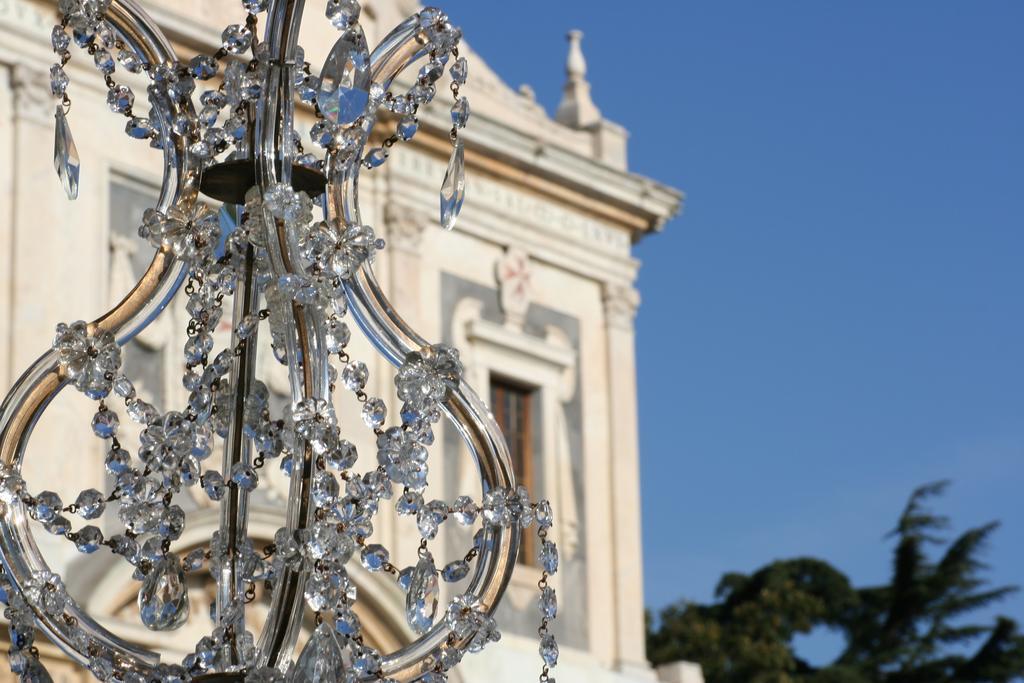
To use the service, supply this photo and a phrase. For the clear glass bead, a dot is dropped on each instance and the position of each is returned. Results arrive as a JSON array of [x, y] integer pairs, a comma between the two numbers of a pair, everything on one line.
[[409, 503], [118, 461], [120, 98], [59, 39], [375, 157], [236, 38], [58, 526], [325, 488], [90, 504], [88, 539], [47, 506], [407, 127], [459, 71], [342, 456], [355, 375], [255, 6], [548, 603], [549, 650], [123, 387], [213, 484], [105, 423], [104, 61], [341, 13], [244, 476], [455, 571], [430, 517], [203, 67], [464, 510], [129, 61], [58, 80], [374, 557], [460, 112], [549, 557], [374, 413]]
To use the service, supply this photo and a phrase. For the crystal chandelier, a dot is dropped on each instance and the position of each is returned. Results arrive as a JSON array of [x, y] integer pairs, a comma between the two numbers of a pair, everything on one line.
[[296, 256]]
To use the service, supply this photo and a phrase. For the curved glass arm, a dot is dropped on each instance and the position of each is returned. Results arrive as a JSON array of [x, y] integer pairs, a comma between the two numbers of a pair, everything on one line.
[[37, 387], [307, 356], [395, 338]]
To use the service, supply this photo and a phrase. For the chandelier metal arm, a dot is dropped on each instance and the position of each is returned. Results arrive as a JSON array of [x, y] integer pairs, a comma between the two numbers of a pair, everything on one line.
[[307, 362], [238, 449]]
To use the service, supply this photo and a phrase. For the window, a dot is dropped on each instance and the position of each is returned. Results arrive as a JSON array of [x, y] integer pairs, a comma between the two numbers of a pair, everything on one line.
[[512, 405]]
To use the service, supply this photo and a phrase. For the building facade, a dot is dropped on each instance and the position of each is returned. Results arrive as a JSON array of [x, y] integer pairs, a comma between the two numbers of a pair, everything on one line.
[[535, 287]]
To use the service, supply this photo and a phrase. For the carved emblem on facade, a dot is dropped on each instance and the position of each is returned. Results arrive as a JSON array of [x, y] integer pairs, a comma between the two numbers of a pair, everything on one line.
[[513, 273]]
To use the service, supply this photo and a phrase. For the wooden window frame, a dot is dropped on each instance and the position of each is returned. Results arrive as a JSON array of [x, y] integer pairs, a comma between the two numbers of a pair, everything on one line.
[[500, 389]]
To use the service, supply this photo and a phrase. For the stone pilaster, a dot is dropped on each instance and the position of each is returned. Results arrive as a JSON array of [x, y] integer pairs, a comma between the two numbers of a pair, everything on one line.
[[403, 231], [7, 140], [33, 262], [31, 115], [31, 88], [404, 235], [405, 228], [620, 303], [33, 207]]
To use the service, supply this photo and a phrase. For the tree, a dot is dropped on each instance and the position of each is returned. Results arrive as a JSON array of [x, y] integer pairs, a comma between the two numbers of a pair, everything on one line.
[[912, 630]]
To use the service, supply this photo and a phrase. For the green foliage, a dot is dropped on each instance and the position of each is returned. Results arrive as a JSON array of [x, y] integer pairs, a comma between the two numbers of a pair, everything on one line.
[[912, 630]]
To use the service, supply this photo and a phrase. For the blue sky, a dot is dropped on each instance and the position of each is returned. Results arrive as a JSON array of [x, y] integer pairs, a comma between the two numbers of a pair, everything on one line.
[[837, 316]]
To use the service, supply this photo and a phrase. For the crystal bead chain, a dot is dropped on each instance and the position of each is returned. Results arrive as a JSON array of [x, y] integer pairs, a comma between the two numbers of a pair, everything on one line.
[[59, 81], [175, 444], [548, 607]]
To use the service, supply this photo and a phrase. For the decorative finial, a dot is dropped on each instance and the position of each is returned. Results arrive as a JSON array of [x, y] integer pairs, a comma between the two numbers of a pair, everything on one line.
[[576, 109], [575, 65]]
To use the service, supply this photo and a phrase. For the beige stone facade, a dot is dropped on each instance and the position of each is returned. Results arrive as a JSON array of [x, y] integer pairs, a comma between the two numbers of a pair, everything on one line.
[[536, 285]]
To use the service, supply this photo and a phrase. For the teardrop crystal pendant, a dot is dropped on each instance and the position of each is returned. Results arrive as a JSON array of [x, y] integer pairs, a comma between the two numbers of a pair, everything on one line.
[[65, 155], [321, 660], [453, 189], [345, 79], [163, 598], [421, 600], [35, 672]]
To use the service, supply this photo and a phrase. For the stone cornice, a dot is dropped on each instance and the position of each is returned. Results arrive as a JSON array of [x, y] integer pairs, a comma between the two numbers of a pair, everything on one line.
[[506, 214], [515, 342], [639, 203]]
